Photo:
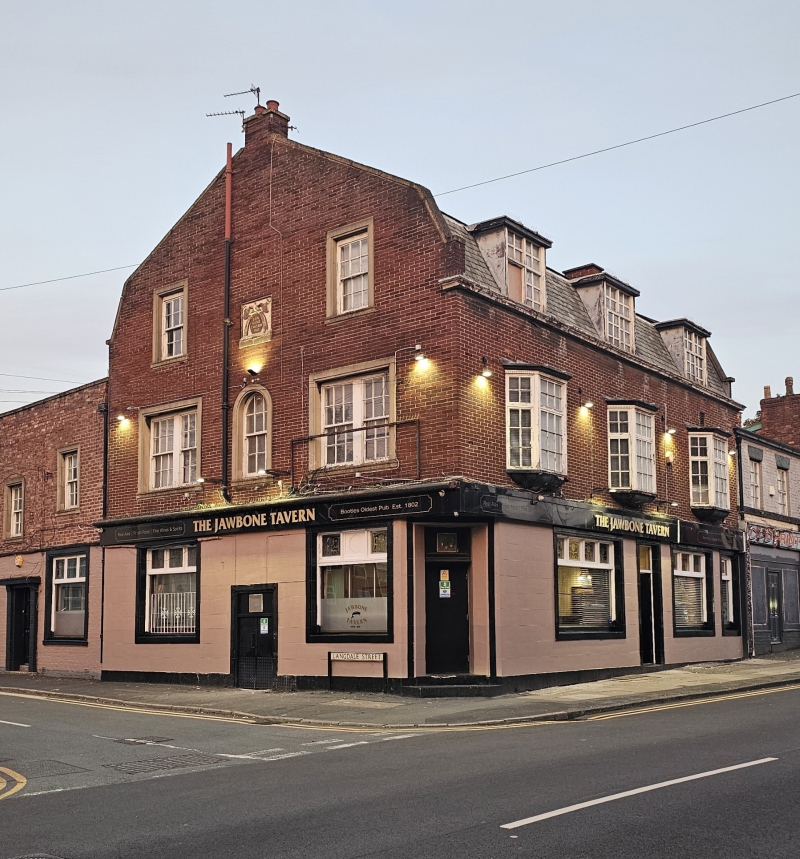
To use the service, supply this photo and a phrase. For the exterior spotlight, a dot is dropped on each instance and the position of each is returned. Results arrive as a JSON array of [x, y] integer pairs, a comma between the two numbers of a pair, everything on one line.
[[418, 356], [486, 372], [261, 471], [200, 480], [671, 431], [121, 418], [253, 371], [731, 453], [673, 503], [588, 404]]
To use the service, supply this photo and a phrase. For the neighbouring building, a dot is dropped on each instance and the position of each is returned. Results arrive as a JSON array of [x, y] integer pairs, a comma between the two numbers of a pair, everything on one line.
[[769, 481], [355, 441], [50, 557]]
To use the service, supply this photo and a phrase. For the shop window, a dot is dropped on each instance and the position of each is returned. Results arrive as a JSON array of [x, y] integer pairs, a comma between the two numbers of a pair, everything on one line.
[[536, 425], [352, 582], [589, 587], [168, 604], [692, 593], [68, 580], [729, 595]]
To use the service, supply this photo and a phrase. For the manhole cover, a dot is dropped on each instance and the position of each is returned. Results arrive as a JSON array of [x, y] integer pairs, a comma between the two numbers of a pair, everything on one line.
[[142, 741], [43, 769], [173, 763]]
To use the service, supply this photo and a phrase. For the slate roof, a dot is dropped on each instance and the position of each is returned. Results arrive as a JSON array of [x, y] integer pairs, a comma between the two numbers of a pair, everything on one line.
[[565, 306]]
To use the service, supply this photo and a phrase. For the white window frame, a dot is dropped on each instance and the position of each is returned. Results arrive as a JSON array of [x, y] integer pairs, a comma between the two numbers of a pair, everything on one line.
[[170, 323], [618, 313], [543, 414], [187, 606], [348, 418], [782, 491], [711, 465], [756, 485], [184, 456], [361, 275], [69, 473], [639, 438], [563, 560], [15, 504], [81, 577], [351, 555], [726, 589], [692, 573], [529, 257], [694, 346], [255, 436]]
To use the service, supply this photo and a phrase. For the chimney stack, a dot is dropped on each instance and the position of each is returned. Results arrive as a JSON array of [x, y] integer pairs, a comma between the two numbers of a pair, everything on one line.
[[264, 122], [767, 392], [582, 271], [789, 386]]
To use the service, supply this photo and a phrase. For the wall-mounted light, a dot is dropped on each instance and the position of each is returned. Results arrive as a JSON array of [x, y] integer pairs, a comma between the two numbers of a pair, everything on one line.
[[261, 471], [486, 372], [200, 480], [418, 350], [731, 453], [254, 369], [121, 418], [588, 404], [673, 503], [671, 431]]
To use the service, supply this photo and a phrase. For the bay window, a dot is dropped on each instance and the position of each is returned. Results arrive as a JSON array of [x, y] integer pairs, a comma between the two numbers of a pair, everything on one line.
[[708, 462], [631, 450], [536, 423]]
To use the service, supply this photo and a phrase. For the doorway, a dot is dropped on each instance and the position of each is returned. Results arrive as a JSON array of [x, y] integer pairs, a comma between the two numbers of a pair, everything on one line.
[[21, 634], [774, 606], [651, 619], [254, 658], [446, 617]]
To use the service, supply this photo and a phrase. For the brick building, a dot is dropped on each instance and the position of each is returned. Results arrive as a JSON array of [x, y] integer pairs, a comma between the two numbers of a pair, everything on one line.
[[769, 508], [50, 557], [352, 436]]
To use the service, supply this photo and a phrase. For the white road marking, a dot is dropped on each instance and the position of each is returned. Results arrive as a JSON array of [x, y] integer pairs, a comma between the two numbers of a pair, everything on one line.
[[349, 745], [614, 796], [321, 742], [16, 724], [398, 737], [282, 757]]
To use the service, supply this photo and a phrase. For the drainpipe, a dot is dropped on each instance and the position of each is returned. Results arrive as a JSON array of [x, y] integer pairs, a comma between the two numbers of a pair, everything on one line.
[[226, 327]]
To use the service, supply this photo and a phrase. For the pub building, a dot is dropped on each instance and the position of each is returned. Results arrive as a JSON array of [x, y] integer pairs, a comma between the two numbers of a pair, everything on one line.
[[354, 442], [769, 480]]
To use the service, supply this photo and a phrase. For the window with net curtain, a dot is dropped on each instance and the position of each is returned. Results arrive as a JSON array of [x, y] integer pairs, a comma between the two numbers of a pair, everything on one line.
[[586, 585]]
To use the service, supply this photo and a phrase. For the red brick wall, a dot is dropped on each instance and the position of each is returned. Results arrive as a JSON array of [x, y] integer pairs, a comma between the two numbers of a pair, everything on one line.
[[31, 438], [780, 419], [283, 255]]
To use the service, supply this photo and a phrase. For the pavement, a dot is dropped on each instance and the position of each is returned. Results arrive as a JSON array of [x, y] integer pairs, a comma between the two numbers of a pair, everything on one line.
[[378, 711]]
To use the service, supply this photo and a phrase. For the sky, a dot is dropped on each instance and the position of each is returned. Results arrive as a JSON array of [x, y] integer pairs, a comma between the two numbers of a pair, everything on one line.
[[105, 143]]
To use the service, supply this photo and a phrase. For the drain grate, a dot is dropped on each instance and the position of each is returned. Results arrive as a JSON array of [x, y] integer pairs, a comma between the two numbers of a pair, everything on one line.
[[172, 763], [143, 741]]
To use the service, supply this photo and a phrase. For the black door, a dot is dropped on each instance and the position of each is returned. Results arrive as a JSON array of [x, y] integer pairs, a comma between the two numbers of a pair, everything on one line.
[[774, 597], [21, 614], [647, 630], [446, 617], [255, 657], [651, 617]]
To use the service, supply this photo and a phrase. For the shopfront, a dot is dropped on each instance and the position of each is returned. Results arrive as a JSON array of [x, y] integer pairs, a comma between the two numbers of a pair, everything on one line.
[[773, 556], [445, 580]]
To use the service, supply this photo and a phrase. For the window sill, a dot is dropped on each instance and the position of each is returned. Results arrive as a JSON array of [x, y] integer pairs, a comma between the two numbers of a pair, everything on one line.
[[189, 487], [168, 362], [348, 467], [65, 642], [256, 480], [349, 638], [71, 511], [710, 515], [152, 638], [19, 538], [694, 633], [563, 635], [350, 314]]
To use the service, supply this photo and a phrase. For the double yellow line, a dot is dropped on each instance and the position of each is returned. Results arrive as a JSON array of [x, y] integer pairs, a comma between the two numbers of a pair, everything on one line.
[[10, 782]]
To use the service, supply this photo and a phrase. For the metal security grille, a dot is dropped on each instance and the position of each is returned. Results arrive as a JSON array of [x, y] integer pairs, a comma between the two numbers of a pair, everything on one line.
[[257, 672]]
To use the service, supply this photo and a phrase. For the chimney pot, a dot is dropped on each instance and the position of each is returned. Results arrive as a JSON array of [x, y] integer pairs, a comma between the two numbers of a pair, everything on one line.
[[260, 109], [767, 392], [272, 105], [789, 385]]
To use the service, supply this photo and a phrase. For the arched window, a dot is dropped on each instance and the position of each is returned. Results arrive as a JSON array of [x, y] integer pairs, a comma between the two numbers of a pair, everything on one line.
[[255, 435]]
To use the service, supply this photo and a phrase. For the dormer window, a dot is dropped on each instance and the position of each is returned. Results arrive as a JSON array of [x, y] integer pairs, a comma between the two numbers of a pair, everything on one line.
[[525, 271], [695, 356], [619, 317]]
